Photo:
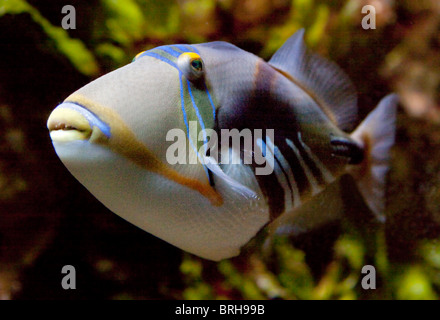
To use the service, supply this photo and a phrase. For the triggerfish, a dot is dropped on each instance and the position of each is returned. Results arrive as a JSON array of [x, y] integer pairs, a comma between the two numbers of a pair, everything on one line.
[[122, 136]]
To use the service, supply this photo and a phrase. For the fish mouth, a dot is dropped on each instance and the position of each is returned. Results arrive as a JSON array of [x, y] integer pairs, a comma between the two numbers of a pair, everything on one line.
[[72, 122]]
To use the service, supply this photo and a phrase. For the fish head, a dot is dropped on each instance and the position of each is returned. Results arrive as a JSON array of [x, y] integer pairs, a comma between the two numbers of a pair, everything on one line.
[[162, 89], [112, 135], [132, 110], [141, 98]]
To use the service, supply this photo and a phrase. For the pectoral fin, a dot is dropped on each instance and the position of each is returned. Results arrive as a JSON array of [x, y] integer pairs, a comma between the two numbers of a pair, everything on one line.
[[214, 167]]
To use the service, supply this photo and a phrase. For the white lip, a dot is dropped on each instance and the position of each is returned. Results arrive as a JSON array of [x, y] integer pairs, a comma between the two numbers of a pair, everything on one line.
[[68, 135], [71, 122], [66, 124]]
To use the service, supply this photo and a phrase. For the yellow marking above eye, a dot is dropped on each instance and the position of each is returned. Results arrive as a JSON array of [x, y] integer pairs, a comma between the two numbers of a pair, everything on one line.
[[192, 55], [195, 60], [137, 56]]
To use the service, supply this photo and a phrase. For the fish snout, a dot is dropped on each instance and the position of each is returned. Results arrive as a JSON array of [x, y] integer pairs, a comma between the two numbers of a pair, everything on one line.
[[72, 122]]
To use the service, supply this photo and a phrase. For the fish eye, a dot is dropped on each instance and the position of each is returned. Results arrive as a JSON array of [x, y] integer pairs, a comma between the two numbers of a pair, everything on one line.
[[196, 64], [191, 65]]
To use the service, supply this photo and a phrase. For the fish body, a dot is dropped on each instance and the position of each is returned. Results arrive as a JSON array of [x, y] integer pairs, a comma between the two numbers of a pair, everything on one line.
[[114, 135]]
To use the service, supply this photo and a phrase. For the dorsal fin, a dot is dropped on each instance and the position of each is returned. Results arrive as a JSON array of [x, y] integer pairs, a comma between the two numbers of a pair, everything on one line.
[[323, 80]]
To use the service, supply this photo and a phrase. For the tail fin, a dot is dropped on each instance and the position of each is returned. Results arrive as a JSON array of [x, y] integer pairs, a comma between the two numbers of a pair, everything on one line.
[[376, 134]]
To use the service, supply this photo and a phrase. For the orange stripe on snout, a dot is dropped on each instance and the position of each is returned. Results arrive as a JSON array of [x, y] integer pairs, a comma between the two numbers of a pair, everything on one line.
[[124, 142]]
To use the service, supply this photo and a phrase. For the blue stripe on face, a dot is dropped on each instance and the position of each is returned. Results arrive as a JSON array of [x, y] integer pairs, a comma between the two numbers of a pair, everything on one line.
[[182, 99], [186, 48], [157, 56], [193, 49], [171, 51], [202, 124], [210, 101], [92, 118], [181, 47]]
